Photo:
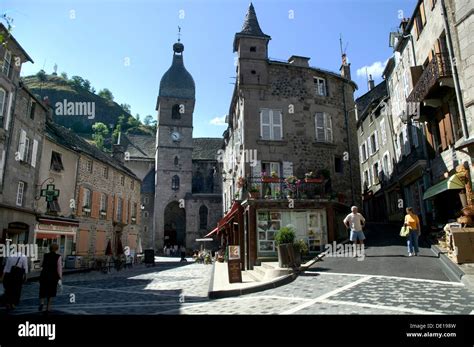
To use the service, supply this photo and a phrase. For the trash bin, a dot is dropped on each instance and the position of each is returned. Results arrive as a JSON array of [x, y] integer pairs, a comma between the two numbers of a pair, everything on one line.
[[73, 262], [150, 256]]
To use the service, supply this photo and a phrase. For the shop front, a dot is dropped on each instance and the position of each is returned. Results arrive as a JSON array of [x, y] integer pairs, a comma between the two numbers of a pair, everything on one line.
[[61, 231]]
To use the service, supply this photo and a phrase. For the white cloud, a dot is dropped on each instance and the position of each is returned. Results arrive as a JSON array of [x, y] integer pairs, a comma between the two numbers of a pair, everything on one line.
[[376, 70], [218, 121]]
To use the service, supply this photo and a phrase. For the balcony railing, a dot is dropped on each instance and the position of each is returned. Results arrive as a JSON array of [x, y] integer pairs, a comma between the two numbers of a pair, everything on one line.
[[408, 161], [438, 67], [278, 188]]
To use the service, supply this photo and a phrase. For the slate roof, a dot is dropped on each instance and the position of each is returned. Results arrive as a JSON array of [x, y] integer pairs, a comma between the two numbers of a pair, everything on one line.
[[65, 137], [250, 27], [139, 146], [143, 146], [177, 82], [363, 102], [205, 148]]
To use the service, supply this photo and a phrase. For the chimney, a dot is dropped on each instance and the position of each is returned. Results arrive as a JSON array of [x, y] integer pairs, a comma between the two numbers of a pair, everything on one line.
[[371, 83], [118, 153], [299, 61], [345, 67], [50, 112], [403, 24]]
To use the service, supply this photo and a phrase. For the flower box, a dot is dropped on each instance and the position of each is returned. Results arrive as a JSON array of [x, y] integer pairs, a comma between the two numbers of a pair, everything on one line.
[[270, 180], [313, 180]]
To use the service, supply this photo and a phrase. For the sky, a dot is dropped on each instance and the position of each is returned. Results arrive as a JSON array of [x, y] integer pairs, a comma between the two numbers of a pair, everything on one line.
[[126, 45]]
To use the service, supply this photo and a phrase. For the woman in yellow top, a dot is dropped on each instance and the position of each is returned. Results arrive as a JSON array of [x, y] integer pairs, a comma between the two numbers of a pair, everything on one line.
[[412, 221]]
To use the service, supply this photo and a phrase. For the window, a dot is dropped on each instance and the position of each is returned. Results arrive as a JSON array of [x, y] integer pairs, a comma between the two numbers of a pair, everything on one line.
[[383, 132], [253, 49], [119, 209], [122, 180], [375, 172], [32, 109], [145, 229], [176, 112], [406, 142], [7, 59], [134, 213], [145, 214], [406, 85], [176, 161], [132, 184], [270, 124], [26, 157], [20, 192], [86, 199], [338, 168], [105, 172], [386, 164], [3, 98], [323, 127], [414, 135], [89, 166], [374, 143], [203, 217], [361, 128], [103, 206], [366, 179], [146, 200], [371, 119], [175, 182], [320, 86], [420, 19], [56, 162], [363, 152]]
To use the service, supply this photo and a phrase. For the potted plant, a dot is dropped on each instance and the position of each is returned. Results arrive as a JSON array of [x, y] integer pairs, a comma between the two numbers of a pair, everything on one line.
[[284, 239], [240, 182], [254, 192], [270, 179], [301, 249]]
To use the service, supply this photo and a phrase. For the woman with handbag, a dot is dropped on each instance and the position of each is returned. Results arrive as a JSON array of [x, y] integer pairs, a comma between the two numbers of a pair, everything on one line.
[[14, 275], [51, 274], [413, 223]]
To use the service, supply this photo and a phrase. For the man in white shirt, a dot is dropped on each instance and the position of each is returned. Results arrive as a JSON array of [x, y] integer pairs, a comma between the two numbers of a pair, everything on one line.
[[355, 221]]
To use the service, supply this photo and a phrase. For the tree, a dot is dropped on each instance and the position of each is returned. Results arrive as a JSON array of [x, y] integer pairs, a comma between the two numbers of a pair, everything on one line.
[[64, 75], [86, 85], [41, 75], [148, 119], [92, 90], [77, 81], [126, 107], [100, 132], [106, 94], [137, 117]]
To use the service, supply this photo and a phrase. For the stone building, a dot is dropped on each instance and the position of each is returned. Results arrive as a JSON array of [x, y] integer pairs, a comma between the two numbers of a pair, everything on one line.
[[287, 119], [376, 151], [181, 195], [98, 198], [22, 118]]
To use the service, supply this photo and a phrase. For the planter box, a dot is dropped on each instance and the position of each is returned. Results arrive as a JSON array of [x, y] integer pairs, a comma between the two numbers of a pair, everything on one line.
[[313, 180], [286, 255], [270, 180]]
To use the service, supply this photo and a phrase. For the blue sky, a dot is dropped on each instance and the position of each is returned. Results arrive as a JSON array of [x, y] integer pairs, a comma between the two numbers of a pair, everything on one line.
[[126, 45]]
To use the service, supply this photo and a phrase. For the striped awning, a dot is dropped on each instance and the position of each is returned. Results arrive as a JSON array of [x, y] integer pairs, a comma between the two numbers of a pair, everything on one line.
[[452, 182]]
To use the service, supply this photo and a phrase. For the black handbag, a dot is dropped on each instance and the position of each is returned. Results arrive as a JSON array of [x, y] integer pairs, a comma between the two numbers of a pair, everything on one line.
[[16, 272]]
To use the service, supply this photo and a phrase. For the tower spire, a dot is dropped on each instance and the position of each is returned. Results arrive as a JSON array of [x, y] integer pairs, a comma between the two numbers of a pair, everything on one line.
[[179, 33]]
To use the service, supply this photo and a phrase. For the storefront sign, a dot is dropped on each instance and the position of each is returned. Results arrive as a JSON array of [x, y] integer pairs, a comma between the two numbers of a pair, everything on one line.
[[233, 264]]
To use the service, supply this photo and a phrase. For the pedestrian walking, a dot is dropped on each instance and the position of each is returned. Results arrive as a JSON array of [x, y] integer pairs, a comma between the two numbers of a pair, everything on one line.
[[355, 222], [183, 253], [51, 275], [14, 275], [413, 223]]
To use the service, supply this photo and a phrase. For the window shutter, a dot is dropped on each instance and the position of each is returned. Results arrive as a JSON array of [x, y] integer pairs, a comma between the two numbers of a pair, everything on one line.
[[139, 213], [116, 203], [328, 124], [414, 134], [95, 204], [124, 210], [360, 154], [276, 133], [287, 169], [130, 206], [320, 133], [80, 196], [383, 132], [34, 153], [110, 207], [265, 124], [376, 135], [21, 144], [370, 176]]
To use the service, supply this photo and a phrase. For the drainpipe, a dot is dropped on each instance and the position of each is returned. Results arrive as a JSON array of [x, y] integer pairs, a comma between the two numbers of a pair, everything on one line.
[[457, 86], [346, 121]]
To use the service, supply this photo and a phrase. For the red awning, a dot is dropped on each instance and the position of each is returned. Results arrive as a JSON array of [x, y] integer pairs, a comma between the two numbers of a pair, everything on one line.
[[233, 211], [40, 236]]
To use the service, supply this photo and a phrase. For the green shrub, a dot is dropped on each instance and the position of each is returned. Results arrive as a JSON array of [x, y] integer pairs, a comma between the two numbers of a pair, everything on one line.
[[285, 235], [301, 246]]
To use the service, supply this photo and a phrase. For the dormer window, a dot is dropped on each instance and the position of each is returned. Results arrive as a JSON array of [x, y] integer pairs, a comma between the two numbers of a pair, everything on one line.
[[253, 49]]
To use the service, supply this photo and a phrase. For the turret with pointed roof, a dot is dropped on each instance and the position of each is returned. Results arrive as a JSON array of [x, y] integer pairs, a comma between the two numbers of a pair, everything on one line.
[[250, 28]]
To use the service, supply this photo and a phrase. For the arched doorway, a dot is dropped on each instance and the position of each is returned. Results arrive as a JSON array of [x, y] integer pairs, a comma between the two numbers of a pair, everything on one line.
[[175, 225]]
